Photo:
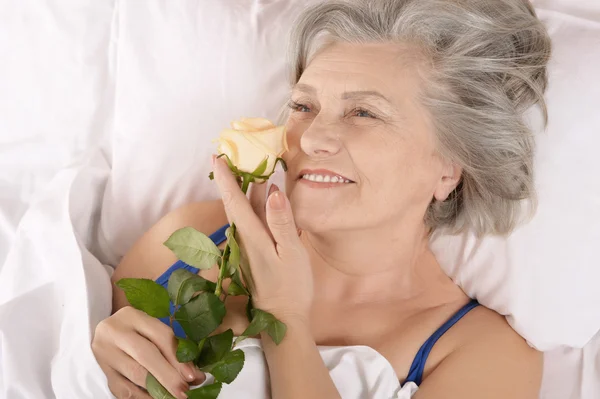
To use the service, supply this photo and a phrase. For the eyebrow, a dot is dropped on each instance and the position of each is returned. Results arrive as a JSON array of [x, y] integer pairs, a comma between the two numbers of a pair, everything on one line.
[[348, 95]]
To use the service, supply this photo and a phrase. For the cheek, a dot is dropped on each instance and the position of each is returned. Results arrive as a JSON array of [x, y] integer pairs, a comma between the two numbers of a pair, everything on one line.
[[402, 169], [294, 134]]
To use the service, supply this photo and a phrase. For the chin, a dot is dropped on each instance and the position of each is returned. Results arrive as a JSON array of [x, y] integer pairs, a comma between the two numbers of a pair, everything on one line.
[[314, 216]]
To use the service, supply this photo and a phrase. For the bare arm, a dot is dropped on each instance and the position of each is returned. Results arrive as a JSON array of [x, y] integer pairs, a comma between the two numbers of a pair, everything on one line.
[[496, 364], [149, 258], [130, 344]]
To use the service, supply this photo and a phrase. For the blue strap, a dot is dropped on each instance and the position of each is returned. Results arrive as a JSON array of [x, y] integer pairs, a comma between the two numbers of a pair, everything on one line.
[[418, 365], [217, 237]]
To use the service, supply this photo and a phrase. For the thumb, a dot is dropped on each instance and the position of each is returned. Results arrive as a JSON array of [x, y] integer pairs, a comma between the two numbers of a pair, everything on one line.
[[281, 221]]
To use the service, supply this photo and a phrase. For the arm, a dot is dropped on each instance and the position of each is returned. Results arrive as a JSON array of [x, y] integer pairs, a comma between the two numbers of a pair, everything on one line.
[[295, 365], [149, 258], [495, 364], [129, 344]]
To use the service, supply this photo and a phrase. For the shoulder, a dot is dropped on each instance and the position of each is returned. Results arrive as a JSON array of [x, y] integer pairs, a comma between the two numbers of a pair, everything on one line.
[[489, 359], [149, 258], [205, 216]]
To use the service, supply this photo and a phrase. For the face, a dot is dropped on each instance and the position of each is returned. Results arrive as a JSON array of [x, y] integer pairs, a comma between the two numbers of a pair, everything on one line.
[[362, 148]]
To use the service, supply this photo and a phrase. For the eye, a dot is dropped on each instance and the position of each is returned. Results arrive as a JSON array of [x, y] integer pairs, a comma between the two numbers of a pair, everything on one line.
[[297, 107], [363, 113]]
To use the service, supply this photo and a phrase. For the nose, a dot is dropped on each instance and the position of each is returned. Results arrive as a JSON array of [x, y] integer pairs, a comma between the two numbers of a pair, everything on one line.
[[320, 141]]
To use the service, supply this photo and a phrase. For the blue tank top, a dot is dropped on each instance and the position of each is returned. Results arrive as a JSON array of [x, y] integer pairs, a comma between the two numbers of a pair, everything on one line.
[[418, 365]]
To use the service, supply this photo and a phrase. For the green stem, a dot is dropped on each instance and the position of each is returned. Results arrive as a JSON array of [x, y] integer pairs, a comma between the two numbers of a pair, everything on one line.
[[246, 178], [223, 268]]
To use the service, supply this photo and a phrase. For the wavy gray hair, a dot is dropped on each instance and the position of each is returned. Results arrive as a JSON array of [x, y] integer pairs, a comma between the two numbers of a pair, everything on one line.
[[487, 66]]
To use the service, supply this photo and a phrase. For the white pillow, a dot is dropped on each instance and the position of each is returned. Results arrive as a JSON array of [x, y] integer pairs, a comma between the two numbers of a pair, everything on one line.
[[184, 72], [54, 89]]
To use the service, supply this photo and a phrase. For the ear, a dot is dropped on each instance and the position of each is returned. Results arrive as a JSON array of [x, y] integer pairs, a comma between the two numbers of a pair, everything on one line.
[[451, 174]]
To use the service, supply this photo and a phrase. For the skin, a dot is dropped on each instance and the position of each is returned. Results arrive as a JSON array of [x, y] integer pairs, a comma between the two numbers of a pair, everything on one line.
[[389, 292]]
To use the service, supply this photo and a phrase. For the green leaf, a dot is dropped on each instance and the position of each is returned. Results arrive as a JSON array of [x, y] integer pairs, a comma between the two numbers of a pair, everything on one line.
[[215, 348], [187, 350], [210, 391], [228, 368], [201, 316], [201, 344], [260, 322], [234, 289], [260, 169], [193, 247], [156, 390], [234, 252], [146, 295], [183, 284], [276, 331]]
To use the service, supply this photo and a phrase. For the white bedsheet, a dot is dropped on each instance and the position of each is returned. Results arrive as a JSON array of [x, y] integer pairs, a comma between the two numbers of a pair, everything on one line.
[[56, 99], [53, 291]]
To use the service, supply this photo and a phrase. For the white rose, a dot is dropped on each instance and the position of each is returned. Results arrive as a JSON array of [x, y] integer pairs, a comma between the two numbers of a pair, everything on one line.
[[250, 141]]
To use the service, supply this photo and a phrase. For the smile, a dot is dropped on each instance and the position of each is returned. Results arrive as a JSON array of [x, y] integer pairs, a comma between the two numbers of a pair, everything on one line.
[[325, 179]]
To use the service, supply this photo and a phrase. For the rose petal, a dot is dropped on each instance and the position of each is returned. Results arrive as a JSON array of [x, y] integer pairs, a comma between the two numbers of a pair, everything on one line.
[[259, 123], [243, 127], [229, 148], [272, 141], [251, 152]]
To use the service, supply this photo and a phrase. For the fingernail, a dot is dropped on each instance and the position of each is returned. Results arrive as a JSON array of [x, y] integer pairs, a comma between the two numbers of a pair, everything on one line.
[[188, 372], [182, 395], [200, 374], [276, 201]]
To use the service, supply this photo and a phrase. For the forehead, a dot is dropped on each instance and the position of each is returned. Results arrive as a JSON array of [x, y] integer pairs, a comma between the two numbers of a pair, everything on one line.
[[390, 69]]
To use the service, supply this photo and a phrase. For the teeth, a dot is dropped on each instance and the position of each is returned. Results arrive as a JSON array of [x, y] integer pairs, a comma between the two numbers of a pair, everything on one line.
[[325, 179]]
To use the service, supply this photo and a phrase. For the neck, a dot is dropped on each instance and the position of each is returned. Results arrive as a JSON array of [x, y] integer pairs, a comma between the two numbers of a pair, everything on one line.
[[370, 266]]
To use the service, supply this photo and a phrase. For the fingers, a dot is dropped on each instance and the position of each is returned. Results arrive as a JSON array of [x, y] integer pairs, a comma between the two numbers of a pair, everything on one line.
[[258, 200], [132, 344], [281, 222], [127, 367], [162, 336], [237, 206], [122, 388], [272, 189], [145, 353]]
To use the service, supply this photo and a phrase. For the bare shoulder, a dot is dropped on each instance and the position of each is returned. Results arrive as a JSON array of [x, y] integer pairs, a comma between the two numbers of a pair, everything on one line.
[[149, 258], [489, 359]]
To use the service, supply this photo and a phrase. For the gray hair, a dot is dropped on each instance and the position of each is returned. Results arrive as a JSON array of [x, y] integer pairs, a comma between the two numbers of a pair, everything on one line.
[[487, 67]]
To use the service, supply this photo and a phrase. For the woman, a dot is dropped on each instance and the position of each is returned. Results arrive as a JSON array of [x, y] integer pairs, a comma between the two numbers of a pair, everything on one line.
[[416, 107]]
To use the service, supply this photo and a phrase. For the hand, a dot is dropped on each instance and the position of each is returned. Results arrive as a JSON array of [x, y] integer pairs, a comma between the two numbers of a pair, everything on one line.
[[280, 276], [129, 344]]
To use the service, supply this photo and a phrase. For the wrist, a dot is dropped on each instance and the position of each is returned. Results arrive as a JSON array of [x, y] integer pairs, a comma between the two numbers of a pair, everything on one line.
[[296, 327]]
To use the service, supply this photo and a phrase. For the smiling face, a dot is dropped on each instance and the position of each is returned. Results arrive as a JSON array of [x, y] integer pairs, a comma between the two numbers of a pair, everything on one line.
[[362, 148]]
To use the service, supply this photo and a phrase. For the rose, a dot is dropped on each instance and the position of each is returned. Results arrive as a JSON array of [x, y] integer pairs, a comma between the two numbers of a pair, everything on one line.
[[252, 148], [250, 142]]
